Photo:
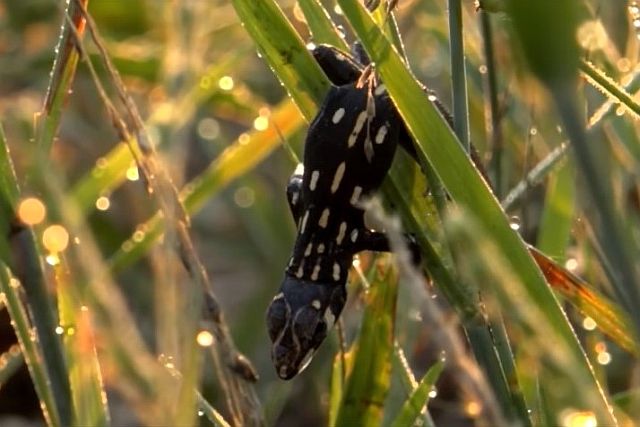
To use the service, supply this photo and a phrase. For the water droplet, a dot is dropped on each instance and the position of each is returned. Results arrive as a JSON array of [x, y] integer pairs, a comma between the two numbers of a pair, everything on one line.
[[208, 128], [589, 324], [31, 211], [138, 236], [244, 197], [261, 123], [472, 408], [604, 358], [571, 264], [103, 203], [101, 163], [433, 392], [52, 259], [133, 173], [574, 418], [514, 223], [127, 245], [226, 82], [55, 238], [204, 338]]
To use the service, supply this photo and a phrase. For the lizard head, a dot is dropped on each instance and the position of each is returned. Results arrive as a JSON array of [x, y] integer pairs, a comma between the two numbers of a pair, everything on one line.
[[298, 320]]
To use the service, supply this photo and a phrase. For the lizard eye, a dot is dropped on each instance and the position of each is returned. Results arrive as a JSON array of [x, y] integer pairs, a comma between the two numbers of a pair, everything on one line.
[[276, 318]]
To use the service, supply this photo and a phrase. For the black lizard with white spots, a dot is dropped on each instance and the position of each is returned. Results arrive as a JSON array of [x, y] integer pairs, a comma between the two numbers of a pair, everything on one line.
[[348, 152]]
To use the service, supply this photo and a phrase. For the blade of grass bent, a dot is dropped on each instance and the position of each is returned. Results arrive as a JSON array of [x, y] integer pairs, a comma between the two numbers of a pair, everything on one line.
[[369, 381], [467, 187]]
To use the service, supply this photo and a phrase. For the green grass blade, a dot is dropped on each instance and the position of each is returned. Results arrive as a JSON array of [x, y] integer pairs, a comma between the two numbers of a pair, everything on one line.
[[605, 84], [370, 379], [467, 188], [559, 208], [105, 177], [28, 339], [87, 388], [413, 406], [21, 243], [285, 52], [62, 75], [322, 28], [458, 73]]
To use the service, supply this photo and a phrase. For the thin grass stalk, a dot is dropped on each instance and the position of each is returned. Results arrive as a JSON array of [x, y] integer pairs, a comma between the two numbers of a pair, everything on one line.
[[28, 339], [458, 74], [609, 87], [492, 108]]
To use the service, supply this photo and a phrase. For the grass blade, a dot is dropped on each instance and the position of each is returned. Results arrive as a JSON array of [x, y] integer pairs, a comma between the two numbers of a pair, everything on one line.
[[62, 74], [415, 404], [458, 74], [322, 28], [369, 381], [28, 340]]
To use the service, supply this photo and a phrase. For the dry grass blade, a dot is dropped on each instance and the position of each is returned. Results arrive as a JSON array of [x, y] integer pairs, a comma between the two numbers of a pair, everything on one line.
[[236, 373]]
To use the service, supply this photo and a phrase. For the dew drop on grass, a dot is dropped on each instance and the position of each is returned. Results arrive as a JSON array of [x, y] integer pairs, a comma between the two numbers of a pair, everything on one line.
[[514, 223], [589, 324], [433, 392]]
